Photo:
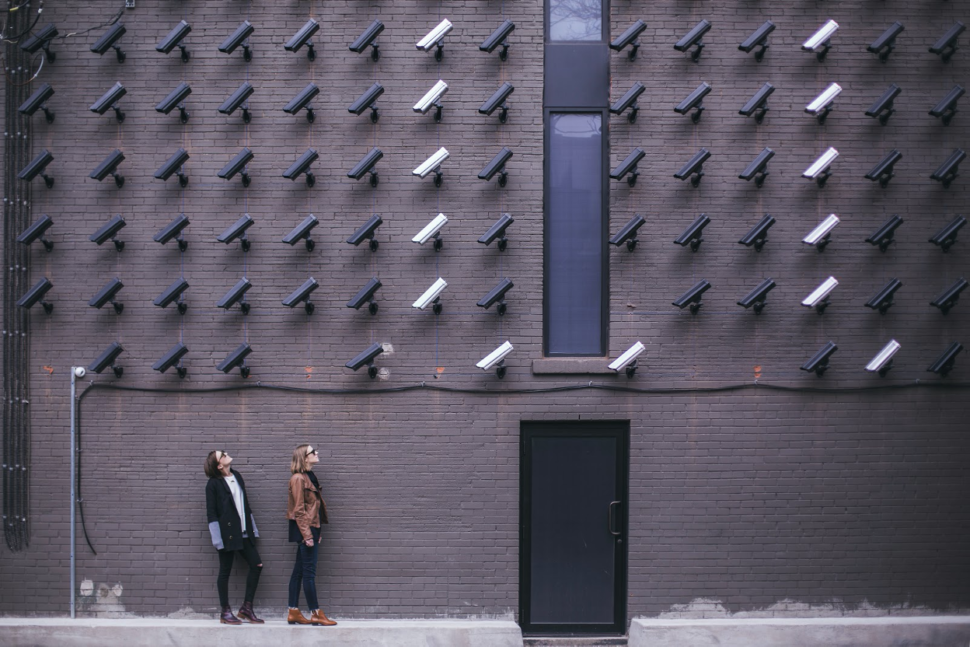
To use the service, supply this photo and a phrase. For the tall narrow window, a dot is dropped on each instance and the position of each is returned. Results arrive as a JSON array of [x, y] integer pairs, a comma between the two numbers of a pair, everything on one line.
[[572, 20], [574, 236]]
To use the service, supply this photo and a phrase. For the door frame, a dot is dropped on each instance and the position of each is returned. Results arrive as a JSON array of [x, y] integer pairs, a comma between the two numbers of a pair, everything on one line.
[[527, 430]]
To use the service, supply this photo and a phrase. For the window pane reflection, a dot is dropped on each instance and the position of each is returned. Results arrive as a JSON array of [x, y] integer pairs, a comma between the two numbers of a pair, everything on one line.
[[575, 20]]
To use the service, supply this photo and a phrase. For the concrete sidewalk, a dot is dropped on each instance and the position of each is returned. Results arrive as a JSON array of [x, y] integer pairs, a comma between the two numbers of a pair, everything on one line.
[[164, 632]]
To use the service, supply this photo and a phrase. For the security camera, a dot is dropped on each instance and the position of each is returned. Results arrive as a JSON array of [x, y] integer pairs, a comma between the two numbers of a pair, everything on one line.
[[758, 297], [108, 358], [80, 371], [173, 358], [498, 99], [368, 100], [629, 166], [235, 295], [237, 230], [758, 235], [434, 37], [36, 167], [173, 230], [883, 107], [496, 295], [238, 38], [366, 232], [36, 295], [820, 236], [302, 37], [944, 364], [236, 358], [109, 166], [302, 100], [109, 39], [109, 101], [886, 43], [693, 296], [883, 361], [366, 165], [38, 101], [628, 233], [302, 295], [497, 230], [819, 169], [629, 39], [758, 104], [366, 295], [432, 98], [174, 39], [692, 235], [948, 298], [883, 171], [693, 38], [945, 237], [497, 165], [109, 231], [367, 38], [237, 164], [947, 44], [431, 296], [107, 294], [432, 231], [694, 169], [820, 41], [237, 99], [758, 39], [301, 166], [496, 359], [758, 168], [499, 37], [41, 40], [628, 360], [629, 100], [819, 297], [694, 102], [174, 166], [947, 172], [173, 292], [36, 232], [176, 98], [883, 300], [821, 105], [885, 235], [819, 363], [433, 163], [366, 358], [302, 232], [947, 107]]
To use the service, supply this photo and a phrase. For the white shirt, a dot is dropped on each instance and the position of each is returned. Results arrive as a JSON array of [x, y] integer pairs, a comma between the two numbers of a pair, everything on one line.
[[237, 497]]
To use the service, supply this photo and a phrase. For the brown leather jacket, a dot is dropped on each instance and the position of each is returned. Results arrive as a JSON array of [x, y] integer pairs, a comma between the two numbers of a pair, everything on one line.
[[305, 505]]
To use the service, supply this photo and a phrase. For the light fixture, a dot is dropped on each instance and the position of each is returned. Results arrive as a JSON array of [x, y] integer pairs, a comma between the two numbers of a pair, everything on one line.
[[694, 168], [946, 46], [174, 166], [758, 168], [758, 297], [236, 358], [499, 99], [107, 294], [821, 41], [694, 102], [629, 167], [947, 172], [882, 363], [37, 167], [431, 296], [692, 297], [629, 100], [302, 37], [434, 39], [173, 358], [366, 232], [497, 230], [499, 37], [944, 364], [496, 359], [628, 233], [946, 237], [36, 295], [886, 43], [366, 358], [627, 361], [692, 235], [820, 237], [758, 39], [109, 231], [172, 230], [883, 108], [883, 299], [367, 38], [947, 107], [366, 295], [302, 166], [496, 295], [38, 101], [237, 165], [758, 235], [366, 165], [236, 294], [819, 297], [302, 295], [302, 232], [108, 358], [237, 38], [820, 168], [629, 39], [173, 292], [109, 101], [174, 39], [758, 104], [819, 363], [949, 297], [885, 235], [36, 232], [692, 39]]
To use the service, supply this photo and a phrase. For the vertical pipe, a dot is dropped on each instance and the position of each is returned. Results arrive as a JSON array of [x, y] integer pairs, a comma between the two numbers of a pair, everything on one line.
[[73, 478]]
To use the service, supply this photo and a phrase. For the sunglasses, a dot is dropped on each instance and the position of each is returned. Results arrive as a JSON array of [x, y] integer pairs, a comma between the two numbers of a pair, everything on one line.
[[311, 452], [220, 453]]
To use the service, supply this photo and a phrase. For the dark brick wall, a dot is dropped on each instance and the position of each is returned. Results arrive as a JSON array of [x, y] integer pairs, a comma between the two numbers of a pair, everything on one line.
[[750, 496]]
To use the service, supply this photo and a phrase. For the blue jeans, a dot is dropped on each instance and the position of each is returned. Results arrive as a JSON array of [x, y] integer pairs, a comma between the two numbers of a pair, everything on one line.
[[305, 570]]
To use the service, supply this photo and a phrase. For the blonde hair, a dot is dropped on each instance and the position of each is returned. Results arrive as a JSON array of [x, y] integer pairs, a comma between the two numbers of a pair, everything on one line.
[[299, 464]]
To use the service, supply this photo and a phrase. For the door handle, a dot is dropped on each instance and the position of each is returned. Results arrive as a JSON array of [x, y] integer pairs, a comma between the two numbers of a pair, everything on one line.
[[615, 533]]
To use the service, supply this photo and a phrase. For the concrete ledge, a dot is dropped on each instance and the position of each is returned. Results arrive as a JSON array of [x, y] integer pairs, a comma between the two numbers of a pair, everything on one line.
[[572, 366], [147, 632], [918, 631]]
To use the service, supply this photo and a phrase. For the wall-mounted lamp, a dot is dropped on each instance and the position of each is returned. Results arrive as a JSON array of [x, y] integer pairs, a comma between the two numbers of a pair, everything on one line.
[[882, 363], [238, 230], [946, 46], [820, 168], [496, 295], [434, 39], [367, 38], [883, 108], [36, 295], [36, 232], [694, 169], [236, 358], [302, 100], [174, 39], [496, 360], [38, 101], [173, 359], [366, 358], [886, 43], [629, 39], [758, 39], [302, 295], [174, 166], [758, 168], [944, 364], [820, 237], [432, 164], [302, 37], [172, 293], [236, 294], [366, 295], [628, 233], [302, 166], [949, 297], [758, 297], [238, 38], [758, 235], [693, 296], [37, 167], [627, 361], [238, 165], [497, 230], [629, 167], [947, 172], [692, 235], [947, 107], [499, 37], [693, 39], [238, 99], [946, 237], [107, 294], [366, 165], [883, 299], [432, 296], [497, 165], [499, 99], [758, 104], [302, 232], [883, 171], [109, 231], [108, 358], [109, 101], [821, 41], [173, 229], [819, 363], [366, 232], [176, 98], [885, 235], [819, 297]]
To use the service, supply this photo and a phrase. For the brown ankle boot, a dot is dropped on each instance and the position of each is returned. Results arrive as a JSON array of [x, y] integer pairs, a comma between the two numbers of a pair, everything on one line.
[[319, 618], [247, 613], [227, 618], [294, 617]]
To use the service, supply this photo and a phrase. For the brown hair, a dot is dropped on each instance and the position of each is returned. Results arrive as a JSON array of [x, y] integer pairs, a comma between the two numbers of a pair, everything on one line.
[[299, 465], [211, 465]]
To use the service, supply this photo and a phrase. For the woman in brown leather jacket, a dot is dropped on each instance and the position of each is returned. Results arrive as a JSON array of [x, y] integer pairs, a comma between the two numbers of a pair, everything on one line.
[[306, 511]]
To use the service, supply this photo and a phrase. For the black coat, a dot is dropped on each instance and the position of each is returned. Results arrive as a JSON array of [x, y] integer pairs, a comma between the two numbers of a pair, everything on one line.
[[224, 524]]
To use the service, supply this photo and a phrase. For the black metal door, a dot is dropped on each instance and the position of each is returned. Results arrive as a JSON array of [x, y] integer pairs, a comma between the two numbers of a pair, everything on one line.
[[573, 528]]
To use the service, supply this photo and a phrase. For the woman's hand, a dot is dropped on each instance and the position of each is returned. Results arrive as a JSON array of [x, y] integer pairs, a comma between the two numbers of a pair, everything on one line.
[[309, 543]]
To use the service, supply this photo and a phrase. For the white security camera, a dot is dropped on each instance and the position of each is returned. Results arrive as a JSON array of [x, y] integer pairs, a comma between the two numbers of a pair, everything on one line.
[[819, 237], [431, 230], [79, 371], [818, 299], [431, 295], [883, 361], [628, 360], [496, 359]]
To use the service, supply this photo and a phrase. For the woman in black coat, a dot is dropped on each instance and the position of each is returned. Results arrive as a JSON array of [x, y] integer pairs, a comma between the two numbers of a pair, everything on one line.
[[233, 531]]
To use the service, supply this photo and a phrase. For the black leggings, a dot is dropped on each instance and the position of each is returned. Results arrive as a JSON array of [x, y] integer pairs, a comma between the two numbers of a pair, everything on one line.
[[225, 566]]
